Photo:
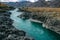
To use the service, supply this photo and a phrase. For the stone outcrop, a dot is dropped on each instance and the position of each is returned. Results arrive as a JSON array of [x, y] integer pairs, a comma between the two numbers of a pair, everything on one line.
[[50, 20], [25, 15]]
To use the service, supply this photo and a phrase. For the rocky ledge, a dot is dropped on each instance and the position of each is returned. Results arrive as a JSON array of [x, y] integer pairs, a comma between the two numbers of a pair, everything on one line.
[[8, 31], [50, 20]]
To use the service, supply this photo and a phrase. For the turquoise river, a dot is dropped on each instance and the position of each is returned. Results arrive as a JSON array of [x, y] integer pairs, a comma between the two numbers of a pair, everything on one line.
[[34, 30]]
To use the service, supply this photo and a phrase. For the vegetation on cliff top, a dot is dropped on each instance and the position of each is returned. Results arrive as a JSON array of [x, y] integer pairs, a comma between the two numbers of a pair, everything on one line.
[[40, 9]]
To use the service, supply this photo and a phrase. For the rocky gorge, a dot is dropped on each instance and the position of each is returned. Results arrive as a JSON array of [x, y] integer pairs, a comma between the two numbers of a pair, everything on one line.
[[8, 31], [50, 20], [33, 29]]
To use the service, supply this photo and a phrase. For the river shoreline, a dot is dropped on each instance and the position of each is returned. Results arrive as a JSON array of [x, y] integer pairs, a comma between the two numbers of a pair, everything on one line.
[[34, 30], [23, 34], [44, 25], [8, 31]]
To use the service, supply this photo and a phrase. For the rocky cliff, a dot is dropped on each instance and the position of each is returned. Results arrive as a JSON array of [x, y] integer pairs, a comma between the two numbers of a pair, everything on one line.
[[50, 17]]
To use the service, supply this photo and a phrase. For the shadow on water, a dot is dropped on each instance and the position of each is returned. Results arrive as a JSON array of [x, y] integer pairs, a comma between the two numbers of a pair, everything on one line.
[[50, 32]]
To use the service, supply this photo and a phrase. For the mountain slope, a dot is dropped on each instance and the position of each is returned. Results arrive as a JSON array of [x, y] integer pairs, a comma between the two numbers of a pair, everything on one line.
[[19, 4], [39, 3]]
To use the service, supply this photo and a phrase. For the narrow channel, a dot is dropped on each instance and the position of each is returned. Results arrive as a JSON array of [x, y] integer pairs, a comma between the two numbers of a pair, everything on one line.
[[34, 30]]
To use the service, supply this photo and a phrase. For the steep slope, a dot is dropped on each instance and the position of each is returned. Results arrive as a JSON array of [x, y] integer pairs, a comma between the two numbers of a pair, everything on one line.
[[40, 3]]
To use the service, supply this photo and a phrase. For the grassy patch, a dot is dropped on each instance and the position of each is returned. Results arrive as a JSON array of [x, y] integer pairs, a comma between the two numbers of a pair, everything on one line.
[[41, 9]]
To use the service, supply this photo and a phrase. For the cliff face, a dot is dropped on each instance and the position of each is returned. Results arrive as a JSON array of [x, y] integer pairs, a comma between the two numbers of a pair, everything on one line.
[[51, 20]]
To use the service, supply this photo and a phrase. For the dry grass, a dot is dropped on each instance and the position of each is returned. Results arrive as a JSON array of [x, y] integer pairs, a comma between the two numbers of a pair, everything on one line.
[[55, 12], [2, 4], [39, 9]]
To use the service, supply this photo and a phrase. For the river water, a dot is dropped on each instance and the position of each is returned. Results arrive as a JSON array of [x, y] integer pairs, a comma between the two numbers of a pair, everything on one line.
[[34, 30]]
